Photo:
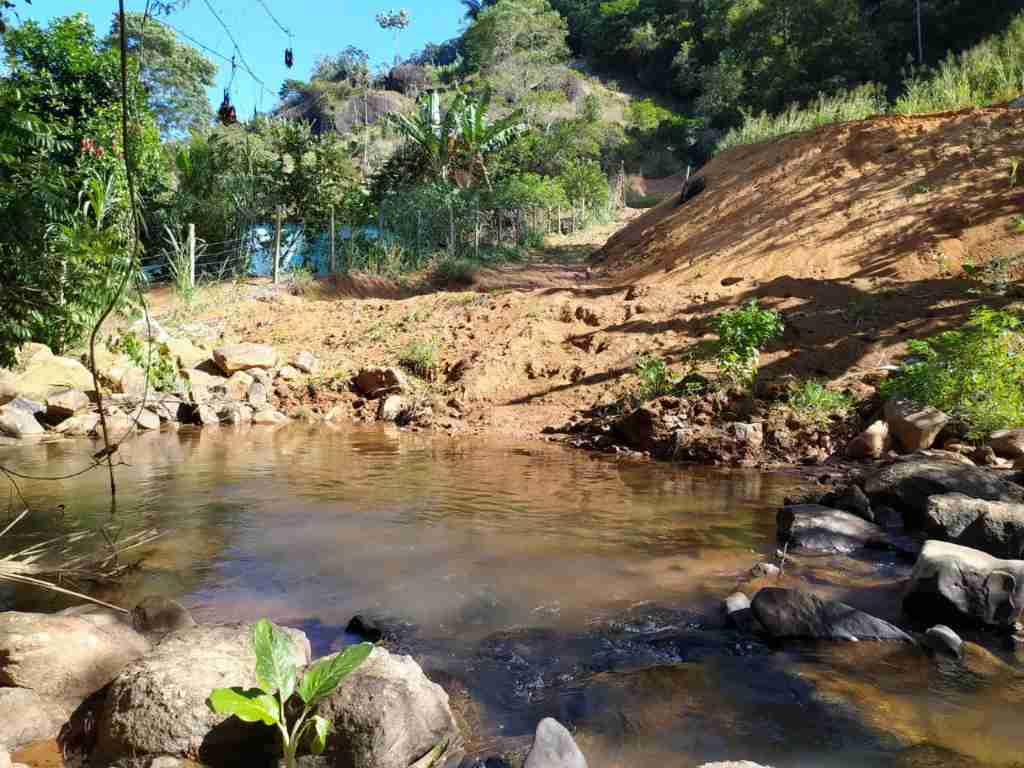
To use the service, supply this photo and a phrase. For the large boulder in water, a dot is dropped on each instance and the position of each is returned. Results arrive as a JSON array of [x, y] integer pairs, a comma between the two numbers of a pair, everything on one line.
[[911, 482], [388, 714], [554, 747], [158, 704], [995, 527], [791, 613], [65, 657], [822, 529], [959, 585]]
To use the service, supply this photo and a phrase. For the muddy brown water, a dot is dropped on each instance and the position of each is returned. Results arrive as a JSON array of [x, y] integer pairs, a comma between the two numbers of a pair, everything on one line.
[[532, 580]]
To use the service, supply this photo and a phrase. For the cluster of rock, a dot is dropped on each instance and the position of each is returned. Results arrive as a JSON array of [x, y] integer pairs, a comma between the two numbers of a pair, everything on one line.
[[135, 694], [906, 427], [962, 524]]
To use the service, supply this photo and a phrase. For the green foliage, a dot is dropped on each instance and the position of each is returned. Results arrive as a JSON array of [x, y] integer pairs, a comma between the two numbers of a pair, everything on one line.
[[974, 373], [153, 357], [279, 680], [530, 190], [989, 73], [855, 104], [179, 259], [585, 182], [813, 401], [742, 334], [656, 378], [454, 271], [420, 358]]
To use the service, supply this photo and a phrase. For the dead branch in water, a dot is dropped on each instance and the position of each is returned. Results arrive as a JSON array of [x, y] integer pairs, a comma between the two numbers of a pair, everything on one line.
[[47, 564]]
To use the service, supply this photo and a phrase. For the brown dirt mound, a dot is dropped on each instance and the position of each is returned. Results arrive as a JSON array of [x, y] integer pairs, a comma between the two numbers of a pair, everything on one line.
[[886, 198]]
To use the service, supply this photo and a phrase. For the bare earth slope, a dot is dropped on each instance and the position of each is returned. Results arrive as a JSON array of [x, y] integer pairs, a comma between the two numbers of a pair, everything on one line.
[[857, 233]]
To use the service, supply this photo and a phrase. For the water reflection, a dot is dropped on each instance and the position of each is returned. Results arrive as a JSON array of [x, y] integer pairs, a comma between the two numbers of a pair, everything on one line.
[[543, 581]]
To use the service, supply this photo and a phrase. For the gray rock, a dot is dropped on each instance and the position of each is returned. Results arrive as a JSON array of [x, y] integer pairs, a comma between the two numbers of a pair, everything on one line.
[[269, 417], [65, 657], [853, 500], [822, 529], [18, 421], [46, 375], [63, 405], [306, 362], [207, 416], [790, 613], [242, 357], [914, 427], [388, 714], [391, 408], [958, 585], [258, 396], [158, 704], [29, 717], [146, 419], [995, 527], [942, 639], [378, 382], [79, 426], [237, 387], [156, 617], [909, 484], [289, 373], [185, 353], [554, 747], [167, 407]]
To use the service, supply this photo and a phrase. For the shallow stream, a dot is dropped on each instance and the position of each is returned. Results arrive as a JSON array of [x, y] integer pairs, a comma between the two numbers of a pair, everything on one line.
[[532, 580]]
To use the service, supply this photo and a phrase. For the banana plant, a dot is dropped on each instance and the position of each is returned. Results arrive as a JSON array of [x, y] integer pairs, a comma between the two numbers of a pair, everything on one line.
[[278, 680]]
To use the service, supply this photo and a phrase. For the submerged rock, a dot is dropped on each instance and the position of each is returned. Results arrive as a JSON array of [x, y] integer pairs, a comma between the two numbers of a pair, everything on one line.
[[822, 529], [388, 714], [158, 704], [994, 527], [65, 657], [942, 639], [554, 747], [959, 585], [790, 613]]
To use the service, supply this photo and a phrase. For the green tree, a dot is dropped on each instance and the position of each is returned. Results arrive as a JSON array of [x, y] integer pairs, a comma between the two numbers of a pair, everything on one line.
[[175, 75]]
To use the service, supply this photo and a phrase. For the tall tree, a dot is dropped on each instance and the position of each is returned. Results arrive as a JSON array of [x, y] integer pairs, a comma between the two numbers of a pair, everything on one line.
[[175, 75]]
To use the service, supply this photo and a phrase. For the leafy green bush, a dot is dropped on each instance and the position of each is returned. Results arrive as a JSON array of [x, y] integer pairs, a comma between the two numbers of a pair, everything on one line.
[[988, 73], [420, 357], [855, 104], [454, 271], [279, 680], [974, 373], [742, 334], [656, 378], [585, 182], [154, 358], [813, 401]]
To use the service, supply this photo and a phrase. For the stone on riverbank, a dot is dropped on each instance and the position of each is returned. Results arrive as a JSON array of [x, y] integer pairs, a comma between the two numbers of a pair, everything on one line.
[[822, 529], [28, 717], [994, 527], [19, 422], [269, 417], [241, 357], [47, 375], [909, 483], [790, 613], [158, 704], [391, 408], [554, 747], [237, 387], [1009, 443], [156, 617], [65, 657], [959, 585], [853, 500], [306, 362], [66, 404], [185, 353], [79, 426], [388, 714], [914, 427], [872, 443], [378, 382]]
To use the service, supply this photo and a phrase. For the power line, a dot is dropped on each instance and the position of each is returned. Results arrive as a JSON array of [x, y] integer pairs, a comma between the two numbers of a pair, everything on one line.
[[273, 18], [234, 42]]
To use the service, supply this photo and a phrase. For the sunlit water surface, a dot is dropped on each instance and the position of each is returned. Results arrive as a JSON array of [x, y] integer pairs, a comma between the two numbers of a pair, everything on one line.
[[532, 581]]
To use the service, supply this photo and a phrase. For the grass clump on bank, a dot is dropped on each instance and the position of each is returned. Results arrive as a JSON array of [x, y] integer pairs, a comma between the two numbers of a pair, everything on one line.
[[812, 401], [420, 358], [974, 373]]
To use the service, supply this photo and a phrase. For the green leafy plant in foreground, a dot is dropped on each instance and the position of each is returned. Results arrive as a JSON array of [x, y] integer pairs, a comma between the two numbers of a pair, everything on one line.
[[974, 373], [813, 401], [278, 679], [742, 334], [656, 378]]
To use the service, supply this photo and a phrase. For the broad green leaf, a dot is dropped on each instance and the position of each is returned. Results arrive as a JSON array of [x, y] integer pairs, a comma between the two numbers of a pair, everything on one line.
[[275, 658], [321, 727], [251, 706], [324, 676]]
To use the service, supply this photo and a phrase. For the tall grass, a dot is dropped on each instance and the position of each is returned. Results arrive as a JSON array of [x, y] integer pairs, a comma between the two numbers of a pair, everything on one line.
[[855, 104], [989, 73]]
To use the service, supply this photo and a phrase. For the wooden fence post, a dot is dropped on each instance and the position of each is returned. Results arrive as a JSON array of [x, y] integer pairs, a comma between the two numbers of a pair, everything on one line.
[[334, 257], [277, 246], [191, 256]]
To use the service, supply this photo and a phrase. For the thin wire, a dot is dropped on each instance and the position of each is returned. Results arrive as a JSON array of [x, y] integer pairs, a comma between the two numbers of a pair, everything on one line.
[[273, 18], [234, 42]]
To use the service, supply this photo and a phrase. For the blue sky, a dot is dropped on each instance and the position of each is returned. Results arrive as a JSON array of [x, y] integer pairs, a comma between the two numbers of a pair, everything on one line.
[[317, 28]]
